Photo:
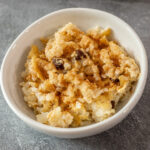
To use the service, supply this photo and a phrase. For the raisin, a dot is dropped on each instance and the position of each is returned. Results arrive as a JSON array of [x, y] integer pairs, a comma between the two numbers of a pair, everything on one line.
[[58, 93], [79, 55], [116, 81], [59, 63], [113, 104]]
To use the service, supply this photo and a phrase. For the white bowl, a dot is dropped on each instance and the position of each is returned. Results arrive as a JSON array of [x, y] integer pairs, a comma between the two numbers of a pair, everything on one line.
[[84, 18]]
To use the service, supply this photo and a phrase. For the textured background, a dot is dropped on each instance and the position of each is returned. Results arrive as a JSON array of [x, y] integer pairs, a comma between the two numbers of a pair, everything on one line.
[[131, 134]]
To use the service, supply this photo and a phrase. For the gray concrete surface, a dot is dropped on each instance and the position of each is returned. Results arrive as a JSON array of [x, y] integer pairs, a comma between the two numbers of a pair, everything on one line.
[[131, 134]]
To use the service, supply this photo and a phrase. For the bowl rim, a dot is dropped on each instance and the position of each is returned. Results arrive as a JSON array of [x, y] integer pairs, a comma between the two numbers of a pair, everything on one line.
[[116, 118]]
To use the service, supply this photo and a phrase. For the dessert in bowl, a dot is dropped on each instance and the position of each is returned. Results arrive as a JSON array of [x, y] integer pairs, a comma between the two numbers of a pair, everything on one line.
[[78, 78]]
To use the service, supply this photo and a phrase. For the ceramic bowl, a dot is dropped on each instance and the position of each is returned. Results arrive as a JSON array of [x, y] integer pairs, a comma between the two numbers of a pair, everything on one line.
[[14, 60]]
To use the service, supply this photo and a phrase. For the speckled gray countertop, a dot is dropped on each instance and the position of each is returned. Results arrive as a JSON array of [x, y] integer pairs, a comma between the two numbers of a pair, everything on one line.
[[133, 133]]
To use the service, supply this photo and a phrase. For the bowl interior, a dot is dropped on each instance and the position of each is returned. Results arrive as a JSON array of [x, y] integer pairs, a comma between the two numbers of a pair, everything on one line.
[[84, 19]]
